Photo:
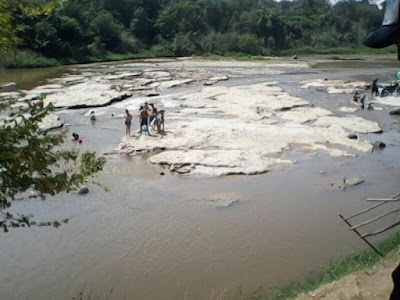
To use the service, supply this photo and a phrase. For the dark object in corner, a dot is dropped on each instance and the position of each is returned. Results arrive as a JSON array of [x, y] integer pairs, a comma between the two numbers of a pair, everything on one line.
[[384, 37], [389, 33], [395, 295]]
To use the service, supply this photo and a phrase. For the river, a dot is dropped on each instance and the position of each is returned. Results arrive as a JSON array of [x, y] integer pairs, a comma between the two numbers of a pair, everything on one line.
[[155, 237]]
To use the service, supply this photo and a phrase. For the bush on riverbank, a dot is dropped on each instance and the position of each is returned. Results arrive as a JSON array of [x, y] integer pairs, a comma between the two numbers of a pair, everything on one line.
[[26, 59], [30, 59], [81, 32], [238, 57], [338, 269], [340, 50]]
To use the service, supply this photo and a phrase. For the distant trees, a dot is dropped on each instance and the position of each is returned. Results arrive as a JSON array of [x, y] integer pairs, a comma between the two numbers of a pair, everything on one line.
[[17, 15], [86, 29]]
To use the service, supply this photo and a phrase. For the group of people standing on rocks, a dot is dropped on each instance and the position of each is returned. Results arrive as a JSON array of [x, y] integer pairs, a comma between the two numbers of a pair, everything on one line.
[[149, 117]]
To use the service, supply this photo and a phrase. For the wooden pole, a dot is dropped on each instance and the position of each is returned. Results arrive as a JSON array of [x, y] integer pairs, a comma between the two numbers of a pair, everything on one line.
[[374, 219], [363, 238], [381, 230], [395, 198], [383, 199], [365, 210]]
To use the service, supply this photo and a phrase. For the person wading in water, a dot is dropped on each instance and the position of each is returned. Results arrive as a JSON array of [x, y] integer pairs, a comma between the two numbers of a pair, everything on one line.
[[128, 122]]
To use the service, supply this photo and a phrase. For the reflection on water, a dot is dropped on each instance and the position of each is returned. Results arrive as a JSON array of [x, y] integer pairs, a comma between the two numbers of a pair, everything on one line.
[[29, 78], [155, 237]]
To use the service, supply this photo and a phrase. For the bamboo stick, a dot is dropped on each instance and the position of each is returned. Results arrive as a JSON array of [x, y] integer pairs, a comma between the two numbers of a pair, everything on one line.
[[365, 210], [363, 238], [394, 198], [383, 199], [380, 230], [374, 219]]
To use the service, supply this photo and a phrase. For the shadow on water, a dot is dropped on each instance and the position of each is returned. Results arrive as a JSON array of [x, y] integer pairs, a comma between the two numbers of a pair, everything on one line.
[[29, 78]]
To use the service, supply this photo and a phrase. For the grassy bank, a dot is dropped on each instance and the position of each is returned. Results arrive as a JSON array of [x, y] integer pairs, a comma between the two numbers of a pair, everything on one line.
[[337, 270], [26, 59], [341, 50], [31, 59], [237, 57]]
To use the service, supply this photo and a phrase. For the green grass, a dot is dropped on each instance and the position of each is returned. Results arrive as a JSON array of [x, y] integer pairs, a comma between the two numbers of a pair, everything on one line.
[[237, 57], [26, 59], [336, 270], [31, 59], [109, 57], [339, 50]]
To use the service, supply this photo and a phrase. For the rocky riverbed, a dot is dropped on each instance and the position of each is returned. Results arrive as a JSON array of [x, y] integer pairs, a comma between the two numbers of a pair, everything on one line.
[[220, 129]]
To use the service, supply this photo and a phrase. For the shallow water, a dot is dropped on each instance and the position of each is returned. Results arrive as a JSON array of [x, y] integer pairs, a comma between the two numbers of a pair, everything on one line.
[[29, 78], [156, 237]]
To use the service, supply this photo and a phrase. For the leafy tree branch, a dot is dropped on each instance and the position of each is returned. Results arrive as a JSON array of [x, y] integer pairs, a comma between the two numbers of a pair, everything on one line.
[[33, 159]]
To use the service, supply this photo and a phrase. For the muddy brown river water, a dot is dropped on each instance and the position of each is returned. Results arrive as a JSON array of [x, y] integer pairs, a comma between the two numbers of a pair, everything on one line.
[[157, 237]]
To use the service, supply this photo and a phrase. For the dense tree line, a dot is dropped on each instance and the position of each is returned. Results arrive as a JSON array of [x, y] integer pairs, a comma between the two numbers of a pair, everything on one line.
[[87, 29]]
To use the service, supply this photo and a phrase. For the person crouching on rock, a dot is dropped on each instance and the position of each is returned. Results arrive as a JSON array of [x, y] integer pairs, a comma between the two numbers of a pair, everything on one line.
[[128, 122], [75, 137], [143, 119]]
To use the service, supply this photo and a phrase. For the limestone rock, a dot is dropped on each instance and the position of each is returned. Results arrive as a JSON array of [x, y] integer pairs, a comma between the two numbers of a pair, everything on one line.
[[355, 124], [304, 114], [174, 83], [388, 100], [223, 200], [219, 78], [348, 109], [9, 95], [211, 163], [353, 181], [334, 86], [216, 133], [50, 122], [125, 76], [215, 79], [86, 95], [7, 85]]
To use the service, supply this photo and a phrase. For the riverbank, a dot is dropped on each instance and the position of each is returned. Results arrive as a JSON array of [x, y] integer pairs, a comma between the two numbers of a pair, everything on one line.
[[362, 275], [20, 59]]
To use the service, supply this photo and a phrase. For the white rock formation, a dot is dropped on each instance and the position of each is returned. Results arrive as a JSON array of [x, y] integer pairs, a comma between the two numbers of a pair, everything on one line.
[[245, 129], [334, 86]]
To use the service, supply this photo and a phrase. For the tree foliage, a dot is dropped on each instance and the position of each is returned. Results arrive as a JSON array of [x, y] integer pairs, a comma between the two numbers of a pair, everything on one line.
[[82, 30], [16, 16]]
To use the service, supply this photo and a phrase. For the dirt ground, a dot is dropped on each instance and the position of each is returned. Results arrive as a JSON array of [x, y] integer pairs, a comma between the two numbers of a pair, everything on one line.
[[369, 284]]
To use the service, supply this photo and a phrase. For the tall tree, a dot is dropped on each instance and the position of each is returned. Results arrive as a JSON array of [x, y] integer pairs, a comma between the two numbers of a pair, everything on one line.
[[13, 13]]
